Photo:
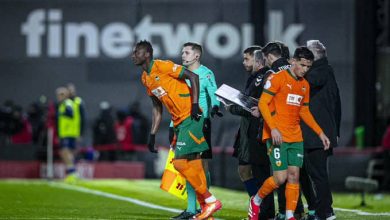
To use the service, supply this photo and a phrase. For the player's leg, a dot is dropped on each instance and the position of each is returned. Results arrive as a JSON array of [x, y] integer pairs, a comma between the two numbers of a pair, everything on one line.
[[295, 161], [190, 142], [190, 211], [278, 160]]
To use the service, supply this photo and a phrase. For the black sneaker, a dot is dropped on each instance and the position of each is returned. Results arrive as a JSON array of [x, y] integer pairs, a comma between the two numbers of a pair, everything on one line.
[[184, 215]]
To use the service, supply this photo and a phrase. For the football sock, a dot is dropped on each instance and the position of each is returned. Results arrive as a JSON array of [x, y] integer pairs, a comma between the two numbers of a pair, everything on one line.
[[257, 200], [210, 199], [193, 173], [191, 199], [268, 186], [292, 195], [289, 214]]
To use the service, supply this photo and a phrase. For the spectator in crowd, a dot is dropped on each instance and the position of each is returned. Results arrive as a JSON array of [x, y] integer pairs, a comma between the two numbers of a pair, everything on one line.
[[140, 124], [325, 105], [104, 131], [35, 114], [24, 134], [10, 120], [124, 134]]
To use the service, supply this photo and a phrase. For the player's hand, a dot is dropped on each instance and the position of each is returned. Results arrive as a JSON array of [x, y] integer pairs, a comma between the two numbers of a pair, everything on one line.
[[276, 137], [151, 141], [196, 113], [325, 141], [215, 111], [255, 111]]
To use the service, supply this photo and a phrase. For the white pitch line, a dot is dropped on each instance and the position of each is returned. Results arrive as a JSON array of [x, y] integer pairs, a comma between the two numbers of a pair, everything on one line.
[[357, 211], [113, 196], [360, 212]]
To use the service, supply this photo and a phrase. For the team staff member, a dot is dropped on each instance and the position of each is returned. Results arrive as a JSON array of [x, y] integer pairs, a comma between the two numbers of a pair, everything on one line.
[[283, 103], [325, 105], [253, 162], [191, 55], [165, 84]]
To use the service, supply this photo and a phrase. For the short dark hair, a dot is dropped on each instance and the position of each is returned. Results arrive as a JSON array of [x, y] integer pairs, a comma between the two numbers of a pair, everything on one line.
[[258, 55], [303, 52], [276, 48], [250, 50], [146, 45], [194, 46]]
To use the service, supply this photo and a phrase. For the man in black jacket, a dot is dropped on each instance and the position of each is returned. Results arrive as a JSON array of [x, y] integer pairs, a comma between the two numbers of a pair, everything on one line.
[[253, 162], [276, 55], [325, 106]]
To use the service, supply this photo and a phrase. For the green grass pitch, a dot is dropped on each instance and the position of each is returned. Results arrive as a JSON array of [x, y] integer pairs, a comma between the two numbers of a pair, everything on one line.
[[122, 199]]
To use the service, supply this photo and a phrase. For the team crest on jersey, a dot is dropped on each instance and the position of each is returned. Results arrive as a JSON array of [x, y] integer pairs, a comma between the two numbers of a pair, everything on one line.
[[278, 163], [157, 78], [159, 92], [304, 89], [294, 99]]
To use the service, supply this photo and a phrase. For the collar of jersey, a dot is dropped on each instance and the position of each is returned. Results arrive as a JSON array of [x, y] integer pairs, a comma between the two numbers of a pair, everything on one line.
[[289, 72], [150, 67]]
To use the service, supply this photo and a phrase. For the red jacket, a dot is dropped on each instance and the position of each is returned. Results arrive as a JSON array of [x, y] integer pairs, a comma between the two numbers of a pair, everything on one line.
[[124, 133]]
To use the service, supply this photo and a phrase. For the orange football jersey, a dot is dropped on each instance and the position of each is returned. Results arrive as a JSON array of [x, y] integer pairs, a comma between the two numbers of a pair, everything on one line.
[[164, 80], [284, 101]]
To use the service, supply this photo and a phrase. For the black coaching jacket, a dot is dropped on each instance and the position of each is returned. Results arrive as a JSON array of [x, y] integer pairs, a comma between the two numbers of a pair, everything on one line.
[[249, 125], [325, 104]]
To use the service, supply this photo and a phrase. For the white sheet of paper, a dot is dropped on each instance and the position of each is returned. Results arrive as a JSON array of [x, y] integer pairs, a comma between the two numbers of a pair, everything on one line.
[[229, 95]]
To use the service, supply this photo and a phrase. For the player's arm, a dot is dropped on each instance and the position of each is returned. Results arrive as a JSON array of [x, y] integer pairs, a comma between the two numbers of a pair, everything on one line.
[[265, 99], [194, 79], [308, 118], [156, 119], [211, 87]]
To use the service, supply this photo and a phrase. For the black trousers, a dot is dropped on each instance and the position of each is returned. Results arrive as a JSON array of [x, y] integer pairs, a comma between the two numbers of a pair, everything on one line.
[[315, 182], [261, 173]]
